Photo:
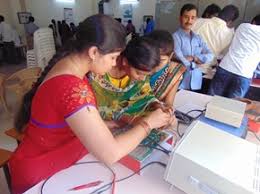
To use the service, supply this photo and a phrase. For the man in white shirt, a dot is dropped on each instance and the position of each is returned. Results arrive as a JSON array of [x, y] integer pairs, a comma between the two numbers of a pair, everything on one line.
[[6, 33], [30, 28], [216, 31], [234, 74], [211, 11]]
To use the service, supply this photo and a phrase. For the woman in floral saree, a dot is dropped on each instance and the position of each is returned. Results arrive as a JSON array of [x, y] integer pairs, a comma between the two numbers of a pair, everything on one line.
[[142, 77], [125, 93]]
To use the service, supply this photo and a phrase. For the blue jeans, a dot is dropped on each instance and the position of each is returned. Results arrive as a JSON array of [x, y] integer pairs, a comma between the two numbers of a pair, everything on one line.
[[228, 84]]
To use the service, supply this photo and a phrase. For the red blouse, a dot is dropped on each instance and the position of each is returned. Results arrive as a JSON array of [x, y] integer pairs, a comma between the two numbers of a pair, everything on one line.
[[49, 144]]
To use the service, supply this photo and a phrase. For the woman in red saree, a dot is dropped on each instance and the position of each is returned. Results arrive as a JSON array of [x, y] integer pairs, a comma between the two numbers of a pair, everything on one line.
[[60, 117]]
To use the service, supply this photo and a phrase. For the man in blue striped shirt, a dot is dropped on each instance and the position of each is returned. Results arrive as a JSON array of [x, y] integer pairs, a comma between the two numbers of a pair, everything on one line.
[[190, 49]]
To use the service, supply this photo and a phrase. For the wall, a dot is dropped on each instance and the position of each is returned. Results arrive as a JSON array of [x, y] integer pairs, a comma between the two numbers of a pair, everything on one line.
[[16, 7], [9, 9], [144, 7], [5, 10], [45, 10]]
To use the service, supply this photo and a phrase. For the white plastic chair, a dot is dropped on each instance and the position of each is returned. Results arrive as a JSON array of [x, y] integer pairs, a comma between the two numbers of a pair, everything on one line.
[[44, 46], [30, 58]]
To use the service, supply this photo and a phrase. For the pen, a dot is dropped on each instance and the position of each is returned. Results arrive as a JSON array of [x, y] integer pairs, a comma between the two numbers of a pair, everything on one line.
[[85, 186]]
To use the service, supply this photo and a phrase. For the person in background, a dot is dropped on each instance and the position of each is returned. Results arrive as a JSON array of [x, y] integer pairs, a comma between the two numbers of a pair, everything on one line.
[[130, 28], [19, 55], [56, 33], [257, 73], [211, 11], [234, 74], [73, 126], [59, 27], [190, 49], [7, 36], [65, 32], [217, 31], [54, 28], [30, 28], [16, 38], [73, 28], [124, 94], [167, 76], [149, 26], [119, 20]]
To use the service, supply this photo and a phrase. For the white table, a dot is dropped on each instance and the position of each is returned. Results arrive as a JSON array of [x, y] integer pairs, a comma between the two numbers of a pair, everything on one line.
[[150, 182]]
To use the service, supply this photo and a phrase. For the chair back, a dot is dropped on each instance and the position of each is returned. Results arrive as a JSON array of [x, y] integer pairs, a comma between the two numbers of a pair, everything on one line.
[[44, 46]]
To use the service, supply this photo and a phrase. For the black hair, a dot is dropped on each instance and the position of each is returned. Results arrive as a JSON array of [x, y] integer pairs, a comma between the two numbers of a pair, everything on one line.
[[2, 18], [163, 40], [256, 20], [98, 30], [211, 10], [142, 53], [119, 20], [188, 7], [129, 21], [31, 19], [229, 13], [148, 20]]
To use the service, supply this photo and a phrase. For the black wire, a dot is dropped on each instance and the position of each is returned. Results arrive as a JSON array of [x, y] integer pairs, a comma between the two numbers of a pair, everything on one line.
[[258, 138], [90, 162], [187, 114], [157, 144], [167, 152], [196, 110], [99, 190], [109, 185], [178, 130]]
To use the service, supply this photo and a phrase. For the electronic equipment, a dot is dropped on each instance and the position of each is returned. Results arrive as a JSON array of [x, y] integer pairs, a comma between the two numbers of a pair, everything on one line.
[[211, 161], [226, 110], [183, 118]]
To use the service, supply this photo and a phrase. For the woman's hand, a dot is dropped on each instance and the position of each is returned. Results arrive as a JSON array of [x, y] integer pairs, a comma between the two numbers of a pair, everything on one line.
[[163, 106], [172, 123], [158, 118]]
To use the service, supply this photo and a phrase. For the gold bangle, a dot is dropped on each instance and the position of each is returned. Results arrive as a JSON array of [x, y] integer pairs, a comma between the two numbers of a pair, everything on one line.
[[145, 126]]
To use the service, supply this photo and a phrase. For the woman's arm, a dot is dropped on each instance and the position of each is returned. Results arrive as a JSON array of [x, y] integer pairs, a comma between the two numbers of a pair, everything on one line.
[[169, 98], [97, 138], [170, 92], [114, 124]]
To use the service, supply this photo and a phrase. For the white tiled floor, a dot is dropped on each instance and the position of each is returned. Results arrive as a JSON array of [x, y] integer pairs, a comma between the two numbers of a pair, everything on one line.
[[6, 122]]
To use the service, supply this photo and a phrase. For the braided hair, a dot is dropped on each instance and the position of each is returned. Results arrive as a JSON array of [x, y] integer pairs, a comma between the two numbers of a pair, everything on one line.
[[98, 30]]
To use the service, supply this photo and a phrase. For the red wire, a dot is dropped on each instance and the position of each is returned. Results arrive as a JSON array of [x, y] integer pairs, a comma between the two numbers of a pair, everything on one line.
[[113, 183]]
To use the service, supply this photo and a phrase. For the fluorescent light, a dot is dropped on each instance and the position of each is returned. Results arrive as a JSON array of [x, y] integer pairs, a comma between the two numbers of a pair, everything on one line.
[[122, 2], [66, 1]]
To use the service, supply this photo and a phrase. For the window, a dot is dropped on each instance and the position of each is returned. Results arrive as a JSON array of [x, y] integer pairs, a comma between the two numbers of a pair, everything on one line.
[[122, 2], [66, 1]]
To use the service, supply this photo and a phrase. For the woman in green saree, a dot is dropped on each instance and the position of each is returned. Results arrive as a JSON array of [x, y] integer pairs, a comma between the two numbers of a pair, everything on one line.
[[128, 92], [167, 76], [124, 94]]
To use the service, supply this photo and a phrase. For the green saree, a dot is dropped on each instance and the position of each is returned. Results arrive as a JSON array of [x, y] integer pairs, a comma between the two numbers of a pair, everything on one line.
[[122, 104]]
